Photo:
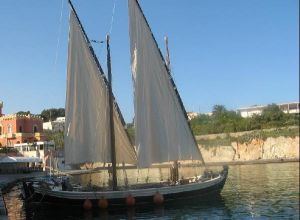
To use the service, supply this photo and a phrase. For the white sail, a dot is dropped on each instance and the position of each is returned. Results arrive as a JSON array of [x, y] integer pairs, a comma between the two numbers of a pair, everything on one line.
[[87, 133], [162, 131]]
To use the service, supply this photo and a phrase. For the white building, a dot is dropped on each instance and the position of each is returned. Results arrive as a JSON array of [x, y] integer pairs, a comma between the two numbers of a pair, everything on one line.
[[60, 119], [192, 115], [57, 125], [291, 107]]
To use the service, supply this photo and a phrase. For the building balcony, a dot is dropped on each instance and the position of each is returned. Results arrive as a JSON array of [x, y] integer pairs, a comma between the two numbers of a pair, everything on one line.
[[22, 135], [10, 135]]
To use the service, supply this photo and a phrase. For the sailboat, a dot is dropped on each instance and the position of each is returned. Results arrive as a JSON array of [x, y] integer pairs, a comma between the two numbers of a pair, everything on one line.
[[94, 127]]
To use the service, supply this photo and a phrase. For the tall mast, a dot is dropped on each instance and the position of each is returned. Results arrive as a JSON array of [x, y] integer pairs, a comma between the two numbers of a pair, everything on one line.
[[111, 119], [172, 83], [174, 174], [168, 63]]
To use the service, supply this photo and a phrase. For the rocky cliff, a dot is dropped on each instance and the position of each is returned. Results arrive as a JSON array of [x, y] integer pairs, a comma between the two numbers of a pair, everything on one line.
[[256, 149]]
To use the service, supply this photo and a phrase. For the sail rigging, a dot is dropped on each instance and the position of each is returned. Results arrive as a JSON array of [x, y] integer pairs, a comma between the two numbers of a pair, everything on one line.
[[87, 137], [162, 131]]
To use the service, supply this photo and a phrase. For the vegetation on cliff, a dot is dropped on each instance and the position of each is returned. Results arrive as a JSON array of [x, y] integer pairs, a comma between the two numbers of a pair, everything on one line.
[[225, 121], [247, 137]]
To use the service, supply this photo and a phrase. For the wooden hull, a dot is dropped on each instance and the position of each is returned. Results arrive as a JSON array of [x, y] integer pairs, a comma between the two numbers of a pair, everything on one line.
[[142, 197]]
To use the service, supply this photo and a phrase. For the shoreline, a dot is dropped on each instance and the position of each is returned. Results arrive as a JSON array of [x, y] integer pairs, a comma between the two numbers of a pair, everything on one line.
[[252, 162]]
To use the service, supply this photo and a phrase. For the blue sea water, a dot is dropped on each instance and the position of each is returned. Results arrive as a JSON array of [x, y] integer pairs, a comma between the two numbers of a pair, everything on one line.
[[258, 191]]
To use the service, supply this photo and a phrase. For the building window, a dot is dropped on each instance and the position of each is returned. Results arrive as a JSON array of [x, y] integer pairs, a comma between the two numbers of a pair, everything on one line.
[[35, 129], [20, 128], [9, 129]]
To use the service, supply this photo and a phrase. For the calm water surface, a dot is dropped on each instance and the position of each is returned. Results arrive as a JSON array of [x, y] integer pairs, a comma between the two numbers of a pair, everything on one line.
[[261, 191]]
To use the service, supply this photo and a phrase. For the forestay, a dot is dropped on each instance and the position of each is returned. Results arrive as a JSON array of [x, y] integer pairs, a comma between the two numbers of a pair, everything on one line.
[[162, 131], [87, 133]]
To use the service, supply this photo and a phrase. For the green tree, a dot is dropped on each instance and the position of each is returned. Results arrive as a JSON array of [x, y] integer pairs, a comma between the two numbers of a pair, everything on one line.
[[52, 113], [272, 116], [57, 137], [219, 110], [23, 113], [272, 113]]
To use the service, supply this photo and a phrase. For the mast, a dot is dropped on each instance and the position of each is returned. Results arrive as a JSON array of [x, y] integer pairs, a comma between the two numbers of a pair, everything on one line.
[[86, 77], [98, 64], [168, 67], [168, 63], [174, 86], [174, 168], [111, 119]]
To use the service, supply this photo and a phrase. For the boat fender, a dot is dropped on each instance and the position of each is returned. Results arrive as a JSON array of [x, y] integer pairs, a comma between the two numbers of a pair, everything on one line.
[[130, 200], [103, 203], [87, 204], [158, 198]]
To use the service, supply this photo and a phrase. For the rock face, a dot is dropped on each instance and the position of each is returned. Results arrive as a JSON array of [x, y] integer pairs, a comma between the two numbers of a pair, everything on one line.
[[271, 148]]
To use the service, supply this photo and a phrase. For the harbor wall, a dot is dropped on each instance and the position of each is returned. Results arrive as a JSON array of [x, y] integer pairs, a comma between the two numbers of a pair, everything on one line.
[[256, 149]]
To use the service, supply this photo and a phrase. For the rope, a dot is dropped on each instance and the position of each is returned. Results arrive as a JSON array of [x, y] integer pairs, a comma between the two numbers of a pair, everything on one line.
[[101, 42], [58, 37], [112, 18], [30, 196]]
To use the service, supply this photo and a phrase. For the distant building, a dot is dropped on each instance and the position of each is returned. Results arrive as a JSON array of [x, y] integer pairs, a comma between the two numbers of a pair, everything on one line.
[[57, 125], [291, 107], [192, 115], [16, 129], [207, 113]]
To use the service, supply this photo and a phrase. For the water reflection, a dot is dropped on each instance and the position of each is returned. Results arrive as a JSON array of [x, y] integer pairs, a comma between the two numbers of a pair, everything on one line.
[[269, 190], [252, 191], [14, 204]]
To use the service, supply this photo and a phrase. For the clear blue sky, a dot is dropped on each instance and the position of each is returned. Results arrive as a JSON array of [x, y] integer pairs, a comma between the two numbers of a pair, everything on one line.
[[234, 52]]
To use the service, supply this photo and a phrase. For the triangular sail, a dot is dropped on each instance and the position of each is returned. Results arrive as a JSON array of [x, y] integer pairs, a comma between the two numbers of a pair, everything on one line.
[[162, 131], [87, 133]]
